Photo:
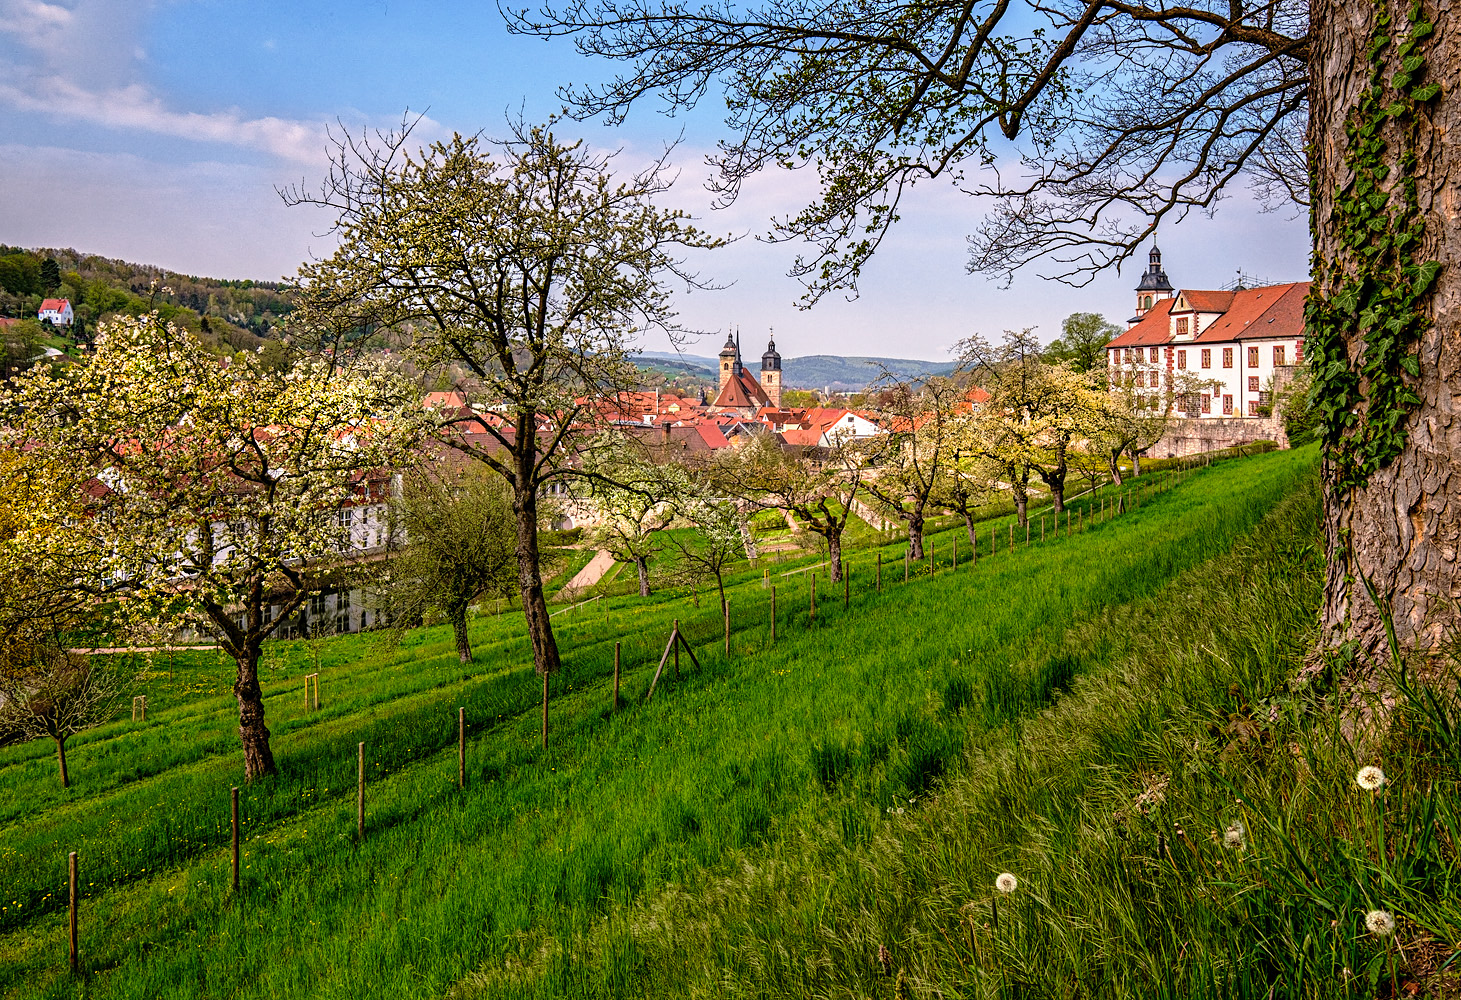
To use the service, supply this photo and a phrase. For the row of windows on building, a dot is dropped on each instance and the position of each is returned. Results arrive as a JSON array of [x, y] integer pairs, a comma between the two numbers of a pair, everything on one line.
[[1133, 356]]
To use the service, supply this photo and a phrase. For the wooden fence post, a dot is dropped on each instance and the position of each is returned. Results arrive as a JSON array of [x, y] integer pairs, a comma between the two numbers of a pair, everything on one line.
[[75, 957], [1012, 536], [907, 559], [616, 676], [234, 796], [1042, 527], [461, 747], [1027, 532], [360, 791], [317, 692], [673, 636], [992, 541]]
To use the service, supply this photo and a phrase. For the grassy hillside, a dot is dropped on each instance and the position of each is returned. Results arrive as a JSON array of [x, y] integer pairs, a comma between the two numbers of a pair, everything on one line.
[[758, 828]]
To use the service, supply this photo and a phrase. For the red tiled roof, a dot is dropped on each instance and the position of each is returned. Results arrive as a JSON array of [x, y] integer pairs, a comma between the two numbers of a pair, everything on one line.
[[808, 437], [742, 391], [1275, 311], [59, 305], [1204, 300], [1154, 328], [1248, 313]]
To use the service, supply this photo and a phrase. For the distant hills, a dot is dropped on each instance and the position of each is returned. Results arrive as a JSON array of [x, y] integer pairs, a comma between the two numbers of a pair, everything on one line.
[[815, 371]]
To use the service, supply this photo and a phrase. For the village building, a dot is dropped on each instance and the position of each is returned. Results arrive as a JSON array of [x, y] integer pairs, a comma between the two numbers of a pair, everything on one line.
[[1217, 353], [57, 312]]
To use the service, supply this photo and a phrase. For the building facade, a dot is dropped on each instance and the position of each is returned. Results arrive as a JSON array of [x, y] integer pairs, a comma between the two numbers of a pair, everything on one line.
[[1213, 353]]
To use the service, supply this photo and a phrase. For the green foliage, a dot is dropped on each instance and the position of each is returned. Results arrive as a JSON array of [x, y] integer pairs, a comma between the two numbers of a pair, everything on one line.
[[782, 767], [1381, 283], [1083, 341]]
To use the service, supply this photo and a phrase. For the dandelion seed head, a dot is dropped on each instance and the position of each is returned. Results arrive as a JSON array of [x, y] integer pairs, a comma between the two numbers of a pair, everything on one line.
[[1235, 837], [1370, 778], [1006, 883], [1380, 922]]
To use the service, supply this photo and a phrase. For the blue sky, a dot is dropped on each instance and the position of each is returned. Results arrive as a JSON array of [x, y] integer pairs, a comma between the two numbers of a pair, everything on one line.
[[159, 131]]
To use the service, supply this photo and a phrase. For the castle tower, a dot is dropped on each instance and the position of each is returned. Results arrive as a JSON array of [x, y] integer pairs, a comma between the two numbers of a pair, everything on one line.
[[771, 373], [1153, 286], [730, 362]]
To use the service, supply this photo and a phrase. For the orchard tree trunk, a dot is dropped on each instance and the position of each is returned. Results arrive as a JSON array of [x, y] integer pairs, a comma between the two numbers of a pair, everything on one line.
[[530, 579], [642, 565], [459, 632], [252, 733], [915, 535], [834, 555], [1135, 464], [1397, 523], [61, 759], [969, 528], [1113, 459]]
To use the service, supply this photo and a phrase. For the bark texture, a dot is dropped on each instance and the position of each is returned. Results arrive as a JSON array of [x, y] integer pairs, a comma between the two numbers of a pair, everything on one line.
[[1402, 528], [642, 565], [530, 580], [252, 733], [459, 632]]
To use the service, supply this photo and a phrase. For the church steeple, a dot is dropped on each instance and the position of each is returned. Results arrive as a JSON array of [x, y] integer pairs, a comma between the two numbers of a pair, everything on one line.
[[1154, 285], [771, 372], [730, 360]]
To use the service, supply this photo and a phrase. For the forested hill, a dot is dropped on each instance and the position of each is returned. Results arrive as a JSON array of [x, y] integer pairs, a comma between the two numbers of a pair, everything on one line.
[[236, 315], [819, 371]]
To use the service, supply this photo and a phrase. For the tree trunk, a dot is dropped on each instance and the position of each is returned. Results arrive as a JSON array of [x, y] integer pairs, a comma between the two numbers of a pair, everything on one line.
[[969, 528], [642, 565], [61, 759], [1113, 459], [1400, 526], [458, 615], [252, 733], [1135, 464], [530, 579], [915, 536], [834, 555]]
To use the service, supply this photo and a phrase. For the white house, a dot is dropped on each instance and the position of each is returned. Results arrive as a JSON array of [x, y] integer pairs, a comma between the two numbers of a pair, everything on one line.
[[56, 311], [1218, 349]]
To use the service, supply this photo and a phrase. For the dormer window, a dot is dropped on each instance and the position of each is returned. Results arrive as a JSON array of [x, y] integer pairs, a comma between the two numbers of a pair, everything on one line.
[[1182, 326]]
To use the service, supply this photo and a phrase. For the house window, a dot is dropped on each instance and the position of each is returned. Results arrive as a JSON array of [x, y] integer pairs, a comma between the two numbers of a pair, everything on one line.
[[1207, 357], [1252, 409], [1181, 360], [1182, 325], [345, 518], [1206, 403], [1278, 361], [317, 606], [1146, 301], [1228, 405], [1252, 383], [1128, 355], [1252, 357], [1227, 357], [1153, 354]]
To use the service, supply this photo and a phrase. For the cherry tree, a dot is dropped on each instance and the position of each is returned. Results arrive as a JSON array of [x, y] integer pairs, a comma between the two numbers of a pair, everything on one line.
[[222, 490]]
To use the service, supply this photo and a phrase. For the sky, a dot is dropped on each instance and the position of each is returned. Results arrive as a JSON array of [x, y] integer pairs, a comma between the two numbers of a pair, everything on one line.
[[161, 133]]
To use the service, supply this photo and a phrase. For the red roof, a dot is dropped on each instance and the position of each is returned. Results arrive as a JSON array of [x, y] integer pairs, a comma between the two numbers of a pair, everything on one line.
[[742, 391], [1275, 311], [55, 305], [1248, 313]]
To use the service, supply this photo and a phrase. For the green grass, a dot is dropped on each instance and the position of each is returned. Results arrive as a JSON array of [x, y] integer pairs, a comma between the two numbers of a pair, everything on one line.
[[544, 876]]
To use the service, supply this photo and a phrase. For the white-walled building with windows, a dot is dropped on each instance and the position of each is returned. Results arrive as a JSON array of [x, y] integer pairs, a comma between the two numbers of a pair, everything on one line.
[[1217, 350]]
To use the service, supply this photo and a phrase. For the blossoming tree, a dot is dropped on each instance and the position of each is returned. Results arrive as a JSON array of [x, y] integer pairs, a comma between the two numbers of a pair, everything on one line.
[[217, 485]]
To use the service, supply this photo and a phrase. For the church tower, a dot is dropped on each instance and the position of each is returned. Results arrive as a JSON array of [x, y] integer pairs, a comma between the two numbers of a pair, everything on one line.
[[771, 373], [1153, 286], [730, 362]]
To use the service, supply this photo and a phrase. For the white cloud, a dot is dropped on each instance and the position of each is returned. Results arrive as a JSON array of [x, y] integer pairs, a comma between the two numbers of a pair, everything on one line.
[[81, 63]]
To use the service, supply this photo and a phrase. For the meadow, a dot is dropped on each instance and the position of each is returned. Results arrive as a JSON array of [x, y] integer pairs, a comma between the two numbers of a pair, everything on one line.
[[814, 816]]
